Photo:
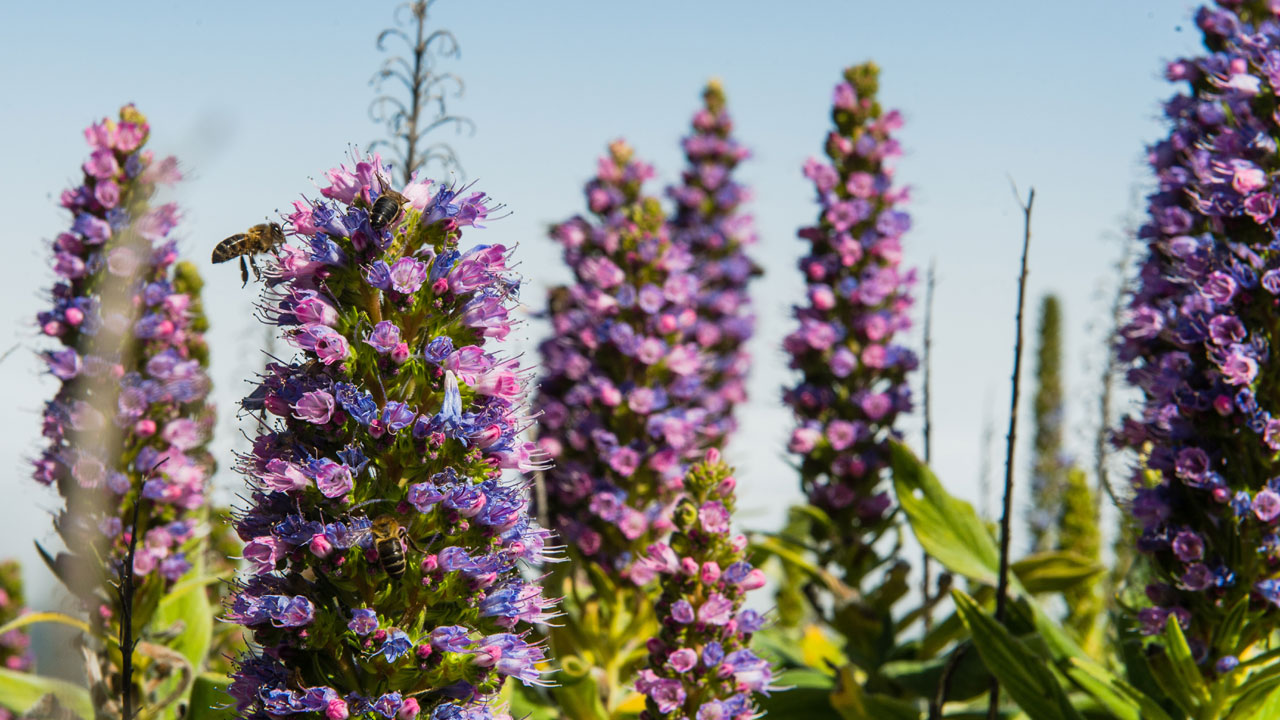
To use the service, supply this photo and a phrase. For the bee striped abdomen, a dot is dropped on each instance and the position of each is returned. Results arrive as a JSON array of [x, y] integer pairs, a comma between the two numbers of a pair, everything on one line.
[[385, 209], [228, 249], [391, 555]]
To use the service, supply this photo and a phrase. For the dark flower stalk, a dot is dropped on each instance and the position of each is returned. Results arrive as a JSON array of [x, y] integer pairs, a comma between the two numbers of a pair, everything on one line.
[[1198, 341], [700, 665], [127, 428], [621, 400], [709, 222], [853, 376], [384, 544]]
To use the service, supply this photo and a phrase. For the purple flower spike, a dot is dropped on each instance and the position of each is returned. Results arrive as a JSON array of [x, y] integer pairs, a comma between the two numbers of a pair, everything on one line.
[[386, 543], [127, 429], [622, 398], [692, 655], [1197, 341], [709, 223], [853, 376]]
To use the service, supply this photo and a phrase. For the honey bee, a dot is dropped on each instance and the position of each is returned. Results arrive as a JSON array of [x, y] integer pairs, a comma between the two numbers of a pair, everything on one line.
[[257, 239], [389, 538], [387, 207]]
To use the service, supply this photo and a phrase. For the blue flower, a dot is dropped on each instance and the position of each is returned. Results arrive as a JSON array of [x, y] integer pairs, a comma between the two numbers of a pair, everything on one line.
[[363, 621], [395, 646], [439, 349]]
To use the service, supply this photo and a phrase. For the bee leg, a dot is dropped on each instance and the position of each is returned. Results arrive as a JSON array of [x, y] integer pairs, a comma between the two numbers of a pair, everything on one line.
[[257, 274], [244, 272], [404, 535]]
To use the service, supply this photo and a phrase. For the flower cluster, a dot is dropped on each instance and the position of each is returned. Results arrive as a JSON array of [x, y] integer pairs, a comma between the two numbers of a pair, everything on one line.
[[853, 383], [709, 223], [15, 645], [384, 545], [128, 426], [1199, 337], [699, 663], [620, 401]]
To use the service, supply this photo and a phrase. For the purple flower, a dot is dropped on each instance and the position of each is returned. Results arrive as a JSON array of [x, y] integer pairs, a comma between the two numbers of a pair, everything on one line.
[[384, 337], [363, 621], [853, 373], [314, 407], [338, 483], [1198, 342], [121, 250], [407, 275], [626, 256], [722, 627]]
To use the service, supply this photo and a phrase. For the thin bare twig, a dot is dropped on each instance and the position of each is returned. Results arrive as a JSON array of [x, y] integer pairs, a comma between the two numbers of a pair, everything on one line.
[[428, 90], [1002, 586], [926, 569]]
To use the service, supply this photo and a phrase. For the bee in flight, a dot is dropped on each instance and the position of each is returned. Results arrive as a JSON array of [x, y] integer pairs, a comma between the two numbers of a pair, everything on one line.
[[387, 207], [389, 538], [257, 239]]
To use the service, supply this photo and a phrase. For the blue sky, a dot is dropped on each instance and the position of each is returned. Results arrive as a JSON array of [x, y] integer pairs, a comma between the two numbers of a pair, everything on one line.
[[256, 98]]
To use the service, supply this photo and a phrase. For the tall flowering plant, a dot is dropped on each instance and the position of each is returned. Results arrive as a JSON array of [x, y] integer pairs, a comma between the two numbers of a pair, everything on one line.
[[384, 544], [700, 664], [853, 376], [128, 427], [1198, 341], [709, 221], [621, 416], [621, 396]]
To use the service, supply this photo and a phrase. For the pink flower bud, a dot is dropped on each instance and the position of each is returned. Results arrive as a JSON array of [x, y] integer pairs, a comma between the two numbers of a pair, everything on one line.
[[399, 354], [440, 286], [337, 710], [710, 572], [74, 316], [144, 428], [429, 564], [713, 456], [755, 579], [689, 566], [320, 546], [409, 709]]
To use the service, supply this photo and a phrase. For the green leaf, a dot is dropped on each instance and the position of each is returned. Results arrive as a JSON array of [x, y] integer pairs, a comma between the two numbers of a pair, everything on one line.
[[849, 699], [1054, 571], [1227, 633], [969, 678], [578, 695], [1121, 699], [188, 604], [1186, 674], [525, 702], [19, 691], [1022, 674], [209, 699], [1259, 702], [947, 528]]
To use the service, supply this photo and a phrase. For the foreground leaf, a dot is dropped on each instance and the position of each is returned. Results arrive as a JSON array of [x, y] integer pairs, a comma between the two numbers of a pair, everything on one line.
[[948, 528], [1022, 674], [20, 691]]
